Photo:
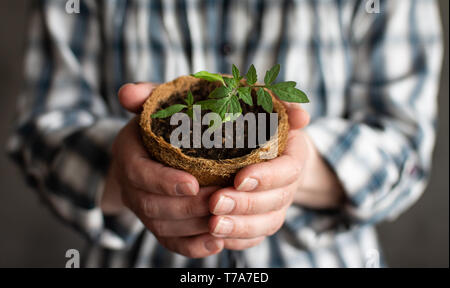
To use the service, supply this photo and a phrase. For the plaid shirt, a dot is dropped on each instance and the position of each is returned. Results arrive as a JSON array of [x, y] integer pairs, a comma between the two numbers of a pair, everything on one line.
[[372, 79]]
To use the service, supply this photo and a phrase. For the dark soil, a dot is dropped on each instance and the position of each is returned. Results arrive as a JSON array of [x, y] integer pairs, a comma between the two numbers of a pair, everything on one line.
[[162, 127]]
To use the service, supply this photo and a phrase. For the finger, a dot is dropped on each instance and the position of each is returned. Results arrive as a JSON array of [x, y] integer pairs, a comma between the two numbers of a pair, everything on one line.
[[153, 177], [246, 226], [147, 175], [194, 247], [241, 244], [277, 172], [177, 208], [178, 228], [229, 201], [297, 116], [132, 96]]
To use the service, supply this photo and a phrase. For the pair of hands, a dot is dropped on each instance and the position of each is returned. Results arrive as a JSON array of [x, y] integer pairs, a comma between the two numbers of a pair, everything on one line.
[[198, 222]]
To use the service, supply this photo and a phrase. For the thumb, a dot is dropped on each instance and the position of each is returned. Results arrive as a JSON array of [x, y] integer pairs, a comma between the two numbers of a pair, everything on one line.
[[132, 96], [298, 117]]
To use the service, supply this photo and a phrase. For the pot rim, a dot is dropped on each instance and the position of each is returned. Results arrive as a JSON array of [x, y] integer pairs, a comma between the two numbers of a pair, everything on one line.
[[164, 91]]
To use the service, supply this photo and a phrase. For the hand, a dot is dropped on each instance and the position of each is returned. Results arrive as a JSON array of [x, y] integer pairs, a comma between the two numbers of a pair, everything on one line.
[[256, 206], [162, 197]]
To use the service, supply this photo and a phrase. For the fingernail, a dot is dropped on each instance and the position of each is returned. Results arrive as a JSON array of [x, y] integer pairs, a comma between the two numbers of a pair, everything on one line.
[[224, 206], [212, 245], [248, 184], [223, 227], [185, 189]]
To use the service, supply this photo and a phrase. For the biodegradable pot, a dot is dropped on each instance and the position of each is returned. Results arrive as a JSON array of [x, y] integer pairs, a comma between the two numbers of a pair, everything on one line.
[[207, 171]]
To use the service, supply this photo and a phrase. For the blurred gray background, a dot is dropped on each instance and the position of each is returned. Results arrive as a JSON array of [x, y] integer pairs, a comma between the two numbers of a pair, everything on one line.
[[31, 237]]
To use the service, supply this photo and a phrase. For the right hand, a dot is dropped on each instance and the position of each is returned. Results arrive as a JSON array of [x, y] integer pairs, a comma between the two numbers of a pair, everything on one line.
[[162, 197]]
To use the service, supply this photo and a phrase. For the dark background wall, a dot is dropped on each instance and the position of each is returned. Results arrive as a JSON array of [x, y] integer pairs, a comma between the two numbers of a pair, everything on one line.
[[31, 237]]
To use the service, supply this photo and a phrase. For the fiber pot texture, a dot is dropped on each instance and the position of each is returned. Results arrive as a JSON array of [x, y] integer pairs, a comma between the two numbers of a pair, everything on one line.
[[207, 171]]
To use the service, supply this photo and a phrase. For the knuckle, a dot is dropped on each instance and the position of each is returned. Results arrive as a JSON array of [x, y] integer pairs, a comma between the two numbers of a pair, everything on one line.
[[243, 230], [250, 206], [164, 183], [160, 188], [268, 179], [188, 210], [149, 207], [283, 197]]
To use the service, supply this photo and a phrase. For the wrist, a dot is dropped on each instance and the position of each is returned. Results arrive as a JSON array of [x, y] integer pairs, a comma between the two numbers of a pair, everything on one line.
[[319, 183]]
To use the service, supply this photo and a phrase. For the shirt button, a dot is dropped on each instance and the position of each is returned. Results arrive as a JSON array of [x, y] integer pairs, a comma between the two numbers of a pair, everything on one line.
[[226, 49]]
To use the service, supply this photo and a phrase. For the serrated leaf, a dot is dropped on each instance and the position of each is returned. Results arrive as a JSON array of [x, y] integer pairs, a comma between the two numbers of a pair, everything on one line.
[[230, 82], [245, 93], [272, 74], [207, 104], [235, 106], [251, 75], [283, 84], [219, 92], [189, 99], [289, 94], [236, 73], [212, 77], [264, 100], [222, 106], [169, 111]]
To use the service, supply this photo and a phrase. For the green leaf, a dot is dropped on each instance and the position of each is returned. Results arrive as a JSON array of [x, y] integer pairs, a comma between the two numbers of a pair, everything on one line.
[[229, 104], [272, 74], [222, 106], [236, 73], [283, 84], [207, 104], [230, 82], [251, 75], [265, 100], [246, 95], [289, 93], [219, 92], [169, 111], [208, 76], [190, 98], [235, 106]]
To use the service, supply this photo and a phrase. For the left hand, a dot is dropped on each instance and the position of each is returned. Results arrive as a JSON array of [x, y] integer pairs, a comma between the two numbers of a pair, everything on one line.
[[256, 206]]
